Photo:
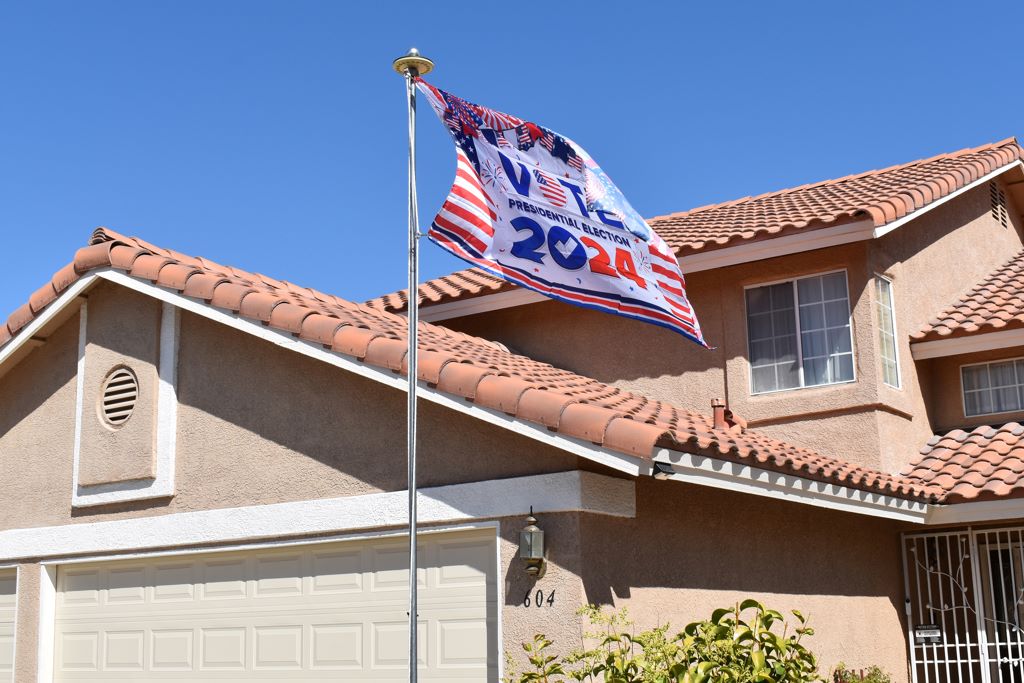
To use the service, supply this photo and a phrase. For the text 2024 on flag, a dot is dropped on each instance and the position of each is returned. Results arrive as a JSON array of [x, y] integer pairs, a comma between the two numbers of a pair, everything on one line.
[[532, 207]]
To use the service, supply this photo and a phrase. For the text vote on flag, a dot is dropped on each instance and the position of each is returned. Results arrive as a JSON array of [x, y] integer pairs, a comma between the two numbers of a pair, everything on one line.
[[532, 207]]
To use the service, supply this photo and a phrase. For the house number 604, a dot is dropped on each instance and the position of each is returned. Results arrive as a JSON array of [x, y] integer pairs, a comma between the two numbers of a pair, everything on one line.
[[538, 599]]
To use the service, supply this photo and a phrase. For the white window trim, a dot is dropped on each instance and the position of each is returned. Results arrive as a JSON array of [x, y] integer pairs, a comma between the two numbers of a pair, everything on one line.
[[799, 341], [895, 333], [963, 389]]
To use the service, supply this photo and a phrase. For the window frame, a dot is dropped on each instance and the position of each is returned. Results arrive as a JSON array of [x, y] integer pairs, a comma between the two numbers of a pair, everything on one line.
[[799, 337], [963, 389], [895, 334]]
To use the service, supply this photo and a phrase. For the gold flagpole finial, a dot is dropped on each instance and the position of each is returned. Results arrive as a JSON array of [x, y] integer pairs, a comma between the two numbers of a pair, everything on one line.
[[414, 63]]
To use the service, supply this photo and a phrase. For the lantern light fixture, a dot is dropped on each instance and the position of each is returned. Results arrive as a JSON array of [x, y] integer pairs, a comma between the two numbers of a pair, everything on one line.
[[531, 546]]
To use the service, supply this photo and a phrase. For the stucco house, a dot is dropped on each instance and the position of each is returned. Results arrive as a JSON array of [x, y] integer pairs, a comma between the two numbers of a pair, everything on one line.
[[202, 469]]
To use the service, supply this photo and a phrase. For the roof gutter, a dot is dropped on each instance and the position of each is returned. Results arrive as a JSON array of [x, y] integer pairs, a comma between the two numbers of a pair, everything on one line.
[[984, 511], [733, 476]]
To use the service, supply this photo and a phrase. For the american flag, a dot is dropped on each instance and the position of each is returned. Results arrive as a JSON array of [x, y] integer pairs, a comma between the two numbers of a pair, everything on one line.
[[550, 188], [495, 119], [480, 220]]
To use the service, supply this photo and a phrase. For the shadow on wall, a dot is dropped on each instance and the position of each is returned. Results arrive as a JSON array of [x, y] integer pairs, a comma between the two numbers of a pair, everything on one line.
[[292, 427], [690, 537], [607, 347], [36, 379]]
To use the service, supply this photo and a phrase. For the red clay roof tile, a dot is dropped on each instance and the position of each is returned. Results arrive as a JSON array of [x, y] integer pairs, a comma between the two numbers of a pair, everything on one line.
[[473, 368], [984, 463], [996, 303], [882, 196]]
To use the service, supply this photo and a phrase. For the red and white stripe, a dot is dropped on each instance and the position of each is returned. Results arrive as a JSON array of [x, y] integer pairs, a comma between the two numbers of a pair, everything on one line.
[[468, 212], [550, 188], [596, 300], [496, 120]]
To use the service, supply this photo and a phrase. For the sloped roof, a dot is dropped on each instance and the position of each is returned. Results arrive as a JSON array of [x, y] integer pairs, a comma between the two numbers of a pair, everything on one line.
[[985, 463], [458, 364], [996, 303], [882, 196], [460, 285]]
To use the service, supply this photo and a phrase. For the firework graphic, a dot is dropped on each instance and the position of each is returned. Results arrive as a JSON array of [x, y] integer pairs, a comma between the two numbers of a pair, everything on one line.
[[492, 175]]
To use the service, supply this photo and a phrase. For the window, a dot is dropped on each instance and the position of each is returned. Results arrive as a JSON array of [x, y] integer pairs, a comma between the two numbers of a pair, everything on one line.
[[799, 333], [993, 387], [887, 332]]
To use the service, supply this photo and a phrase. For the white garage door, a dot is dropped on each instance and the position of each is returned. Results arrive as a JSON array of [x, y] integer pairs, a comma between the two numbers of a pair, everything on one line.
[[8, 587], [334, 611]]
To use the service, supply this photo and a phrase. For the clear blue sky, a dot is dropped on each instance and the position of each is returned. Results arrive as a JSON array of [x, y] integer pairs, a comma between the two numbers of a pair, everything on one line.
[[271, 135]]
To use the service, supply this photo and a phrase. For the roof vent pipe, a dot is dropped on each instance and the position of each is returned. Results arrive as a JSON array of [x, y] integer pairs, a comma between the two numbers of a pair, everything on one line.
[[718, 410]]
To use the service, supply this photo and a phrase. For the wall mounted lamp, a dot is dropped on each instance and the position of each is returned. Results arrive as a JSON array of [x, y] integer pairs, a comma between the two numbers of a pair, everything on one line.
[[531, 546]]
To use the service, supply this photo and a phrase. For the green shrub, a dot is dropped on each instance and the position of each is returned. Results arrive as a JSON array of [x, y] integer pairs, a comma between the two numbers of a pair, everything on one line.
[[872, 675], [737, 645]]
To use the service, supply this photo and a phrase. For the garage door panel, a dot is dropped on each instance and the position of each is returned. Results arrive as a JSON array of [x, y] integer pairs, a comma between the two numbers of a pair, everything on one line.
[[171, 649], [336, 646], [287, 613], [8, 606], [337, 572]]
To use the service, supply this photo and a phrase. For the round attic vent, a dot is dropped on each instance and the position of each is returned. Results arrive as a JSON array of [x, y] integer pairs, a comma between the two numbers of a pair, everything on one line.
[[118, 396]]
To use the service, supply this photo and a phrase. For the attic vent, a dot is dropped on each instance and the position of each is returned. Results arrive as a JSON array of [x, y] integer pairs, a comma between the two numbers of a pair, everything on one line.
[[998, 197], [118, 396]]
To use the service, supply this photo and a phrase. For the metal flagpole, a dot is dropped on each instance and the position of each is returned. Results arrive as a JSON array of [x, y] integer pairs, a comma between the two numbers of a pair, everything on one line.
[[412, 65]]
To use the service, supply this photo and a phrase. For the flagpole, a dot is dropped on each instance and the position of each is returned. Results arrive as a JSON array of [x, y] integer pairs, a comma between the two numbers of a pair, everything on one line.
[[410, 66]]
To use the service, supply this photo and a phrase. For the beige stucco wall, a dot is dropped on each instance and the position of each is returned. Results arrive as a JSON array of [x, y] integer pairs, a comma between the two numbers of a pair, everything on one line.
[[931, 260], [258, 424], [662, 365], [946, 406], [932, 263], [692, 549], [122, 330]]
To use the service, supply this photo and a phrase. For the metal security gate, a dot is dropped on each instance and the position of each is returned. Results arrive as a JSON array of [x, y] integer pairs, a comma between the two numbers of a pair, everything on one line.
[[965, 605]]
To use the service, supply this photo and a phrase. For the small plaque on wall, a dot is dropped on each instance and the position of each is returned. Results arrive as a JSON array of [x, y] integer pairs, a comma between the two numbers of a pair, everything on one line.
[[928, 634]]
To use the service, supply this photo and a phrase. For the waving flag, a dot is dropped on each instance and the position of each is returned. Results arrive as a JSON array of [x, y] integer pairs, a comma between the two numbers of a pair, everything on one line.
[[532, 207]]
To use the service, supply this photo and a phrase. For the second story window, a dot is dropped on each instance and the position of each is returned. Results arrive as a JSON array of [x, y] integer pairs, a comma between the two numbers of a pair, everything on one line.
[[887, 332], [993, 387], [799, 333]]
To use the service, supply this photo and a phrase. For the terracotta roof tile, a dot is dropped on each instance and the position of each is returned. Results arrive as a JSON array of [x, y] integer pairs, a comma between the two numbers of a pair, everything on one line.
[[460, 285], [469, 367], [996, 303], [981, 464], [881, 196]]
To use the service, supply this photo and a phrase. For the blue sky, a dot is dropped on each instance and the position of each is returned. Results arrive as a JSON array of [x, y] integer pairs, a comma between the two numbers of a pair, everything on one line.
[[271, 135]]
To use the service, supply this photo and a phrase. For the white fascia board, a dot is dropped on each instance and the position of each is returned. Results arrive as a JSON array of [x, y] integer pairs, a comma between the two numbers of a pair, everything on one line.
[[705, 471], [889, 227], [571, 491], [772, 247], [26, 334], [479, 304], [584, 449], [969, 513], [955, 346]]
